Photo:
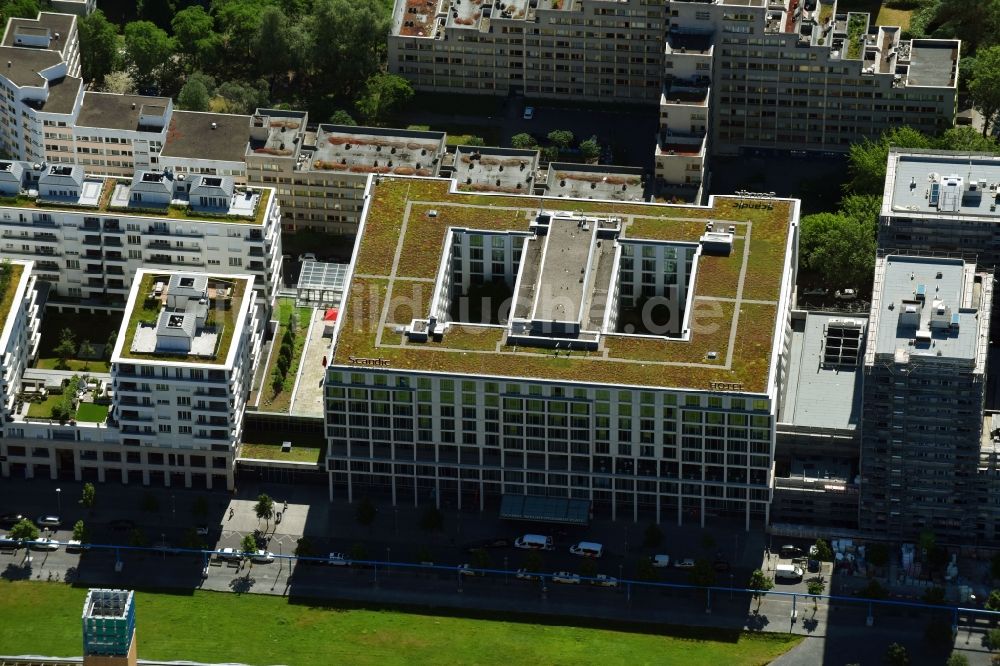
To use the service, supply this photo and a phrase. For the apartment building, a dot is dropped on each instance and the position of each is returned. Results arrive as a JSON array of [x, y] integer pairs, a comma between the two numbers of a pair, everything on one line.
[[320, 175], [796, 75], [819, 424], [18, 329], [88, 236], [943, 203], [924, 385], [560, 49], [577, 350]]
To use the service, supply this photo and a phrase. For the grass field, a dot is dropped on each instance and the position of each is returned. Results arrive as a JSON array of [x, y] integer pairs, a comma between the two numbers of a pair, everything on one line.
[[43, 409], [881, 14], [273, 452], [91, 413], [44, 618]]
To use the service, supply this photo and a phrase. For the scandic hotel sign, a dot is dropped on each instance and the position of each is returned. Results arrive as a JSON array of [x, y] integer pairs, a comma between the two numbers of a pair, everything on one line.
[[377, 362]]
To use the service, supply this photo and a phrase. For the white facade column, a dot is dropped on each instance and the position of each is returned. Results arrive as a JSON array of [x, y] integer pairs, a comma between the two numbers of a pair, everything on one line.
[[703, 507], [350, 486], [393, 482], [329, 476]]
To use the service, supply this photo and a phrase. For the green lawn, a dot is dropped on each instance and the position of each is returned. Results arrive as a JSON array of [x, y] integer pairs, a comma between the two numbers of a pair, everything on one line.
[[91, 413], [273, 452], [280, 402], [43, 410], [259, 629], [73, 364]]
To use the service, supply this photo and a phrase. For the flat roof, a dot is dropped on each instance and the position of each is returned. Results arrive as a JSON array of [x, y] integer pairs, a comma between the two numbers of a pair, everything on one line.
[[118, 112], [904, 282], [24, 65], [490, 169], [920, 182], [376, 150], [734, 310], [228, 304], [191, 136], [18, 275], [932, 63], [53, 22], [559, 293], [593, 181], [62, 95], [819, 394]]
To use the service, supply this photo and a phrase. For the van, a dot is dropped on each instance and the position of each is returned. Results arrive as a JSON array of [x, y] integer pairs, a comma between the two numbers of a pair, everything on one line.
[[587, 549], [534, 542], [788, 572]]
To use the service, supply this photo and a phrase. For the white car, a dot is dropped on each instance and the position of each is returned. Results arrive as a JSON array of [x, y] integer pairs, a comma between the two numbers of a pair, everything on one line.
[[338, 560], [845, 294], [686, 563], [602, 580], [308, 256], [262, 557], [74, 544], [529, 112], [524, 574], [49, 521], [467, 570], [566, 577], [45, 544], [659, 560], [230, 555]]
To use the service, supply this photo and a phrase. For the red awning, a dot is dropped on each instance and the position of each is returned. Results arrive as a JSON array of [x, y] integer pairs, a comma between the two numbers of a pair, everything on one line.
[[331, 314]]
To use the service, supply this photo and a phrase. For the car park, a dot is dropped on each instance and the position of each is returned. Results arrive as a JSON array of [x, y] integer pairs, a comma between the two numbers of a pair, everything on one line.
[[659, 560], [338, 560], [49, 521], [524, 574], [45, 544], [8, 520], [587, 549], [262, 557], [686, 563], [566, 577], [602, 580]]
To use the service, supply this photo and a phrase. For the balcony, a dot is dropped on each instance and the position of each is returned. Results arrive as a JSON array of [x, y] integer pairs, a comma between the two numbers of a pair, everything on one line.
[[688, 43], [690, 92]]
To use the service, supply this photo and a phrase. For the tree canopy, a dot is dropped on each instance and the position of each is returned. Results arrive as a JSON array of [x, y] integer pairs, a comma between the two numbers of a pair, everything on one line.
[[984, 85], [147, 48], [382, 94], [838, 248], [98, 46]]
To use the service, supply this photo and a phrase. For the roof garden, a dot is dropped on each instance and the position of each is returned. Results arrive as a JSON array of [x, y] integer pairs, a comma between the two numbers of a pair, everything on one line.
[[152, 296], [732, 317], [10, 278]]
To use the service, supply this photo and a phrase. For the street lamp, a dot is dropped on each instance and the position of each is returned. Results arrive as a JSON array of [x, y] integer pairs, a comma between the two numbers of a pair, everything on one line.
[[59, 499], [387, 560]]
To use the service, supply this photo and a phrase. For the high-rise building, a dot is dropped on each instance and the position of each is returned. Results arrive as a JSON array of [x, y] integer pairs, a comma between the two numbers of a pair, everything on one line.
[[19, 318]]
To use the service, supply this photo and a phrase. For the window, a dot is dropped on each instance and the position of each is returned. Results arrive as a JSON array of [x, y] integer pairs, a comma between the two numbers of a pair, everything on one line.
[[164, 428]]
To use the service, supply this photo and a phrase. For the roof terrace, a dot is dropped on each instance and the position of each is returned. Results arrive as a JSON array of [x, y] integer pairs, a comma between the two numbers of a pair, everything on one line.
[[593, 181], [489, 169], [276, 133], [376, 150], [736, 301]]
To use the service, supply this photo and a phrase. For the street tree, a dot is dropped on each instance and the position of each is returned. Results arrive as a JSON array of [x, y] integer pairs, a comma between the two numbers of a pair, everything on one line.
[[86, 352], [147, 48], [896, 655], [365, 512], [523, 141], [561, 138], [967, 140], [137, 538], [590, 149], [956, 658], [345, 44], [88, 496], [702, 573], [98, 46], [823, 551], [533, 561], [24, 530], [760, 583], [119, 82], [481, 559], [304, 547], [815, 586], [868, 158], [80, 532], [383, 93], [66, 349], [109, 346], [248, 546], [837, 248], [984, 86], [653, 536], [194, 96], [993, 601], [264, 508], [341, 117], [644, 570]]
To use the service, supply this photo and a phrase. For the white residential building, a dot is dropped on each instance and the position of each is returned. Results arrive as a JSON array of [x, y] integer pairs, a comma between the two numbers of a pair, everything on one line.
[[18, 330]]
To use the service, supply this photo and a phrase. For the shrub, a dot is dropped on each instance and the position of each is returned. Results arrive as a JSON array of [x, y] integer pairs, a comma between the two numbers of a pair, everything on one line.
[[993, 639], [896, 655], [823, 551]]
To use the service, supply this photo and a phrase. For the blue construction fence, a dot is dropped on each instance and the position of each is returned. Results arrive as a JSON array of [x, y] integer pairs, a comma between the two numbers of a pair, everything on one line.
[[462, 571]]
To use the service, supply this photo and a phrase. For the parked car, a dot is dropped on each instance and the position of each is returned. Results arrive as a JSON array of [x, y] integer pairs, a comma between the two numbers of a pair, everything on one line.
[[846, 294], [45, 544], [499, 542], [816, 291], [566, 577], [587, 549], [230, 555], [338, 560], [6, 543], [659, 560], [308, 256], [602, 580], [534, 542], [467, 570], [74, 545], [788, 572], [788, 551], [49, 521], [529, 112], [201, 530], [8, 520], [686, 563], [524, 574], [262, 557], [122, 525], [813, 566], [721, 566]]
